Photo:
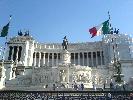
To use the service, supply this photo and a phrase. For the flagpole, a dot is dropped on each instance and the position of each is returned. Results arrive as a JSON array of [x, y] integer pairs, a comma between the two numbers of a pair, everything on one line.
[[6, 39], [109, 15], [109, 18], [1, 53], [9, 26]]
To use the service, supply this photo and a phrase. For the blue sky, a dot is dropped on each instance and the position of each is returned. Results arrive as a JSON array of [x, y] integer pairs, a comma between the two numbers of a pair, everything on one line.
[[51, 20]]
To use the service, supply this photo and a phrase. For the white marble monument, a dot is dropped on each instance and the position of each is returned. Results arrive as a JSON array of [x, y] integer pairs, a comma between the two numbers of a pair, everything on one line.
[[32, 65]]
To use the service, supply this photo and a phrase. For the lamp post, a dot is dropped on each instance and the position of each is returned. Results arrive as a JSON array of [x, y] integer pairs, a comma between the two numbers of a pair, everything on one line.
[[117, 67]]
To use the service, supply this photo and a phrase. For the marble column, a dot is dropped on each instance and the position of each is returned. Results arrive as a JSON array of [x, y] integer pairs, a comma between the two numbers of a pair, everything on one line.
[[52, 59], [20, 53], [48, 60], [9, 53], [57, 59], [43, 58], [39, 59], [92, 63], [17, 54], [78, 58], [12, 53], [83, 58], [96, 59], [74, 58], [87, 59], [101, 57], [35, 59]]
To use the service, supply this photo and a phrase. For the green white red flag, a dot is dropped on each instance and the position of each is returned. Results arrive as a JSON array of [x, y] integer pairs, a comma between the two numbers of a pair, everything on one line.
[[103, 28], [5, 29]]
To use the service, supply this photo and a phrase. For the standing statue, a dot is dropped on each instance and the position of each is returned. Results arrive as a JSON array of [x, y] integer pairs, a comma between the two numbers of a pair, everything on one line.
[[65, 43], [118, 77], [20, 33], [26, 33], [117, 66]]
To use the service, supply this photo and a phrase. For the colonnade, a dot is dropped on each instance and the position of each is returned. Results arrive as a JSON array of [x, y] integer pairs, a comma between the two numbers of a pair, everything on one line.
[[14, 53], [88, 58], [42, 59], [91, 59]]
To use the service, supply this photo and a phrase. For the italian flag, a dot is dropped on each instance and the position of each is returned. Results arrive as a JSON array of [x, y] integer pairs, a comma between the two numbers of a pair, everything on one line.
[[100, 29], [4, 31]]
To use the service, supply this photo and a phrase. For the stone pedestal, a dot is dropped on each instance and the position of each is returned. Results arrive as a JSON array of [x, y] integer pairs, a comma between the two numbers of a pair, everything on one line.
[[119, 82], [9, 65], [63, 68], [2, 75], [65, 57]]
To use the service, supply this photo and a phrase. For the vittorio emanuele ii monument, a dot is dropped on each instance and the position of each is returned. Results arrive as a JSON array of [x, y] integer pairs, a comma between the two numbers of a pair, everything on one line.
[[29, 65], [40, 66]]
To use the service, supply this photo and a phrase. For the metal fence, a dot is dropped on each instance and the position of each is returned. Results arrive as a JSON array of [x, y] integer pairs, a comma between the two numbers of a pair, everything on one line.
[[66, 95]]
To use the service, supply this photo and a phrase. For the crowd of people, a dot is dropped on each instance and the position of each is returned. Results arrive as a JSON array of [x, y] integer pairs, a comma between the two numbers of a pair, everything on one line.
[[80, 87], [68, 86]]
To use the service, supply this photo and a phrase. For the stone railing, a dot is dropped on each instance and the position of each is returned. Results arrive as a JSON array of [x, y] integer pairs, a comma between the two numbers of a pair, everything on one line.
[[66, 95]]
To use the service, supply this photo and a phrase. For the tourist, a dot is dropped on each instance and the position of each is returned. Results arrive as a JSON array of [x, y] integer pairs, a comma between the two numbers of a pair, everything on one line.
[[124, 89], [79, 87], [67, 86], [104, 86], [62, 86], [111, 86], [109, 96], [75, 86], [46, 86], [93, 84], [95, 88], [72, 86], [54, 86], [82, 86]]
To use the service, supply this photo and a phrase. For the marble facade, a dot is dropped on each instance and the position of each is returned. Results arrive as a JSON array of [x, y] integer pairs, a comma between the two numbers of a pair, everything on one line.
[[29, 63]]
